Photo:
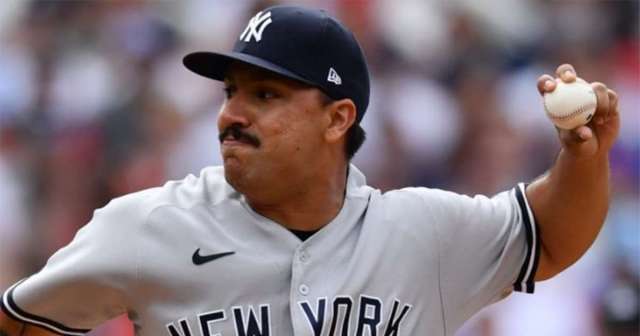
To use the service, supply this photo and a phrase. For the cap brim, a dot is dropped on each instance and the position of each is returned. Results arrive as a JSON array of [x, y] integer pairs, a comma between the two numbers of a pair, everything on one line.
[[214, 65]]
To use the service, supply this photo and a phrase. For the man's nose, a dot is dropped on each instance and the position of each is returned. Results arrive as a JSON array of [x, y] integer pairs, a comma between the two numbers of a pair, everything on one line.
[[233, 111]]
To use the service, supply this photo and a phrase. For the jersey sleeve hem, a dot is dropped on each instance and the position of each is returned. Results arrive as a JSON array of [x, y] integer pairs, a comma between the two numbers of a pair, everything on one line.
[[9, 307], [525, 281]]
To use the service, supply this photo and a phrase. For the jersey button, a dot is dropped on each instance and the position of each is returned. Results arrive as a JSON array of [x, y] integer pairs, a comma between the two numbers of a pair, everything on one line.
[[304, 257], [303, 289]]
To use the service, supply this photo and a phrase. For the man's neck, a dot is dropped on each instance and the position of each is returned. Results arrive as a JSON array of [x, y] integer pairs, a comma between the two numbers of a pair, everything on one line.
[[310, 208]]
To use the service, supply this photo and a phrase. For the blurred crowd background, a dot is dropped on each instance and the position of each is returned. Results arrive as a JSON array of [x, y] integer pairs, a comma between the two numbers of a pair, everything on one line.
[[95, 103]]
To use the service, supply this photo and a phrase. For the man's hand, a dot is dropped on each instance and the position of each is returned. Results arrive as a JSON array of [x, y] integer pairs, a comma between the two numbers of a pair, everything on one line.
[[597, 137]]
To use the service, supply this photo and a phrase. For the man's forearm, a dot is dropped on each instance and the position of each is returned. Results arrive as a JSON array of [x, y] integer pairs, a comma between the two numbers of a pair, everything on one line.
[[570, 204], [4, 332], [21, 329], [11, 327]]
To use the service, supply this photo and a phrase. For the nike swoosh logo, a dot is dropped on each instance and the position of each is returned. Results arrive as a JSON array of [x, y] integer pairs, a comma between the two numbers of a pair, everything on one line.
[[200, 259]]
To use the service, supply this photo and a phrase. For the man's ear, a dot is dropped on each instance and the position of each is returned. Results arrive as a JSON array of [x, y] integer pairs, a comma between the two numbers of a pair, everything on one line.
[[342, 114]]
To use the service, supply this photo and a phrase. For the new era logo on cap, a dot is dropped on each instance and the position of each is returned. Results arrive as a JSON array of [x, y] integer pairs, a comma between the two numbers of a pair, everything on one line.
[[333, 77], [256, 27]]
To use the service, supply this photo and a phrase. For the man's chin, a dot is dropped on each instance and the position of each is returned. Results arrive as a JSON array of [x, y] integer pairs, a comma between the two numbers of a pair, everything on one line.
[[234, 171]]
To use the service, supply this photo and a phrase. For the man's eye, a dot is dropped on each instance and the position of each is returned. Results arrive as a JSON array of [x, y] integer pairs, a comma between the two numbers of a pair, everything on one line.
[[228, 91], [265, 94]]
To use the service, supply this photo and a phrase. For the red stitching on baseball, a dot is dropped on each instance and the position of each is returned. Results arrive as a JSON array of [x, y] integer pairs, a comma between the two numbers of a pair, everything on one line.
[[573, 113]]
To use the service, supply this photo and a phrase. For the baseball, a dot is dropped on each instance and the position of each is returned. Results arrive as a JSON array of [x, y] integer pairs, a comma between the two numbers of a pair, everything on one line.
[[570, 105]]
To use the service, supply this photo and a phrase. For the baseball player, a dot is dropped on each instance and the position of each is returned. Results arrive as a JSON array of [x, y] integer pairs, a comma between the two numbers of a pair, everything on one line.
[[286, 238]]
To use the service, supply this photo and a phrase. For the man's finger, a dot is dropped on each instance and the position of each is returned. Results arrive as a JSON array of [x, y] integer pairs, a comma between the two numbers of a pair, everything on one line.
[[583, 133], [566, 73], [546, 83], [568, 137], [613, 103], [602, 96], [575, 136]]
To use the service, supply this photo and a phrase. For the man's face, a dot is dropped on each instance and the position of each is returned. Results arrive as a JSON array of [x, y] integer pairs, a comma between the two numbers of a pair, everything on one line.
[[270, 129]]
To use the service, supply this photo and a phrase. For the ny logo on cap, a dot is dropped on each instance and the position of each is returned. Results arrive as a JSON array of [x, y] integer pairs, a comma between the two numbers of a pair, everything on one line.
[[256, 27], [333, 77]]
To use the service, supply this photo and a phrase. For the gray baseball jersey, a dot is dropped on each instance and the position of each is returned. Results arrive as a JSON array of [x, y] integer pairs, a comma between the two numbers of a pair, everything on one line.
[[192, 258]]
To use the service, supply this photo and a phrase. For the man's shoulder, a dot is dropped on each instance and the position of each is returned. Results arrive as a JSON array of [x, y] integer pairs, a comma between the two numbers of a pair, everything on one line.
[[209, 187], [419, 203], [419, 195]]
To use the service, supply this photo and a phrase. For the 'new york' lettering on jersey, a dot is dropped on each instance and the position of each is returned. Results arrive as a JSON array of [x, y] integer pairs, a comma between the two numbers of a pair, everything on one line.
[[192, 258], [368, 322]]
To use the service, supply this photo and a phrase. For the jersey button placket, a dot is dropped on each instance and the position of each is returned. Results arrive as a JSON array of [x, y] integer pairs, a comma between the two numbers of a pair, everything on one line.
[[303, 289], [299, 290], [304, 256]]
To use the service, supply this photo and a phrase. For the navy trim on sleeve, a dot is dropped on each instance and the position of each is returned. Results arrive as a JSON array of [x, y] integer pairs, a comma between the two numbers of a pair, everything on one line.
[[10, 308], [525, 281]]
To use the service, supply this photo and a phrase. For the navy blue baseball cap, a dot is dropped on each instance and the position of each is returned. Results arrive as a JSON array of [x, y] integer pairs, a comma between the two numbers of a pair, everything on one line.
[[300, 43]]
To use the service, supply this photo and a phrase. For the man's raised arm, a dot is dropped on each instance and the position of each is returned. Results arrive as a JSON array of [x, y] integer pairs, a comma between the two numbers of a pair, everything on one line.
[[570, 203]]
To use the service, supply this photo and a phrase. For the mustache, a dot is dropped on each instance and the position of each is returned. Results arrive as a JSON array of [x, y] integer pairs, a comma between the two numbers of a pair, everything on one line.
[[236, 133]]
